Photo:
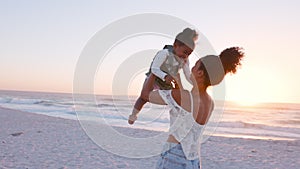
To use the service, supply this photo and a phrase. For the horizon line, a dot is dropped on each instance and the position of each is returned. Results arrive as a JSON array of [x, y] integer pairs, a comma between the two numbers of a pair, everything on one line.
[[98, 94]]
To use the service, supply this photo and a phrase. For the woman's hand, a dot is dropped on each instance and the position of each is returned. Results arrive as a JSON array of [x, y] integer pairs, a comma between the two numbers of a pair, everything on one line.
[[169, 79], [178, 84]]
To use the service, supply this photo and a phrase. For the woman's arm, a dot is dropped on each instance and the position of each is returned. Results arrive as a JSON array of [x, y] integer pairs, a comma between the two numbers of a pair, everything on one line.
[[178, 84], [155, 98], [187, 72]]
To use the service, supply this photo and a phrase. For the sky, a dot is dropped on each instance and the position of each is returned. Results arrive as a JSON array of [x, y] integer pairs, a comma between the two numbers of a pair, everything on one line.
[[41, 42]]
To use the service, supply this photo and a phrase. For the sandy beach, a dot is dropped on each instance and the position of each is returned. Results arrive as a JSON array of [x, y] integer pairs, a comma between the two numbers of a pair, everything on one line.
[[30, 140]]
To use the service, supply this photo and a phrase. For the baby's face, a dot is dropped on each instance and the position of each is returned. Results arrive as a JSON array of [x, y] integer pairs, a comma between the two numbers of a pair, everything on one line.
[[182, 51]]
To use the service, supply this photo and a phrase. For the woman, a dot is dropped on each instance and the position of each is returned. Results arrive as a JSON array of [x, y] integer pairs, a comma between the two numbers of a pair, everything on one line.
[[190, 110]]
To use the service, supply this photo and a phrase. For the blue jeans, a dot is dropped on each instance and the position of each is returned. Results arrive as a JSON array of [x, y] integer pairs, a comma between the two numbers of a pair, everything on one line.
[[174, 158]]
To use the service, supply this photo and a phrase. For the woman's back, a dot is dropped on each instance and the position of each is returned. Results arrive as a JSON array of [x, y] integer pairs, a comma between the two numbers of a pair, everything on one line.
[[202, 105]]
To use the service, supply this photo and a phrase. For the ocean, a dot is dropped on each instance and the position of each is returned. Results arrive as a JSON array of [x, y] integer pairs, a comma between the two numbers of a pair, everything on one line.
[[275, 121]]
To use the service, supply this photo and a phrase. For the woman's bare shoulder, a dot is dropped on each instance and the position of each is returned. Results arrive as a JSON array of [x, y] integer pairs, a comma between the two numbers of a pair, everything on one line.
[[179, 94], [182, 98]]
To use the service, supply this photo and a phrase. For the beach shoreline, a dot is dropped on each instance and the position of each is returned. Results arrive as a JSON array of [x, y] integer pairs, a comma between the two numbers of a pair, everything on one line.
[[29, 140]]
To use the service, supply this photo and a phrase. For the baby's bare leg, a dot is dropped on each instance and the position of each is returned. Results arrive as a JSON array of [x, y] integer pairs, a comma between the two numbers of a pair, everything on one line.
[[143, 99], [148, 87]]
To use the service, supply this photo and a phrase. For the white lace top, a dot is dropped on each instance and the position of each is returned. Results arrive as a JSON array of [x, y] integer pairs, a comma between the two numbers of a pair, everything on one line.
[[183, 126]]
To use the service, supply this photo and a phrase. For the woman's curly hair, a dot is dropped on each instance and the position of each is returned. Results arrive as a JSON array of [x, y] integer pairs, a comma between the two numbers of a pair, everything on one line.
[[231, 59]]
